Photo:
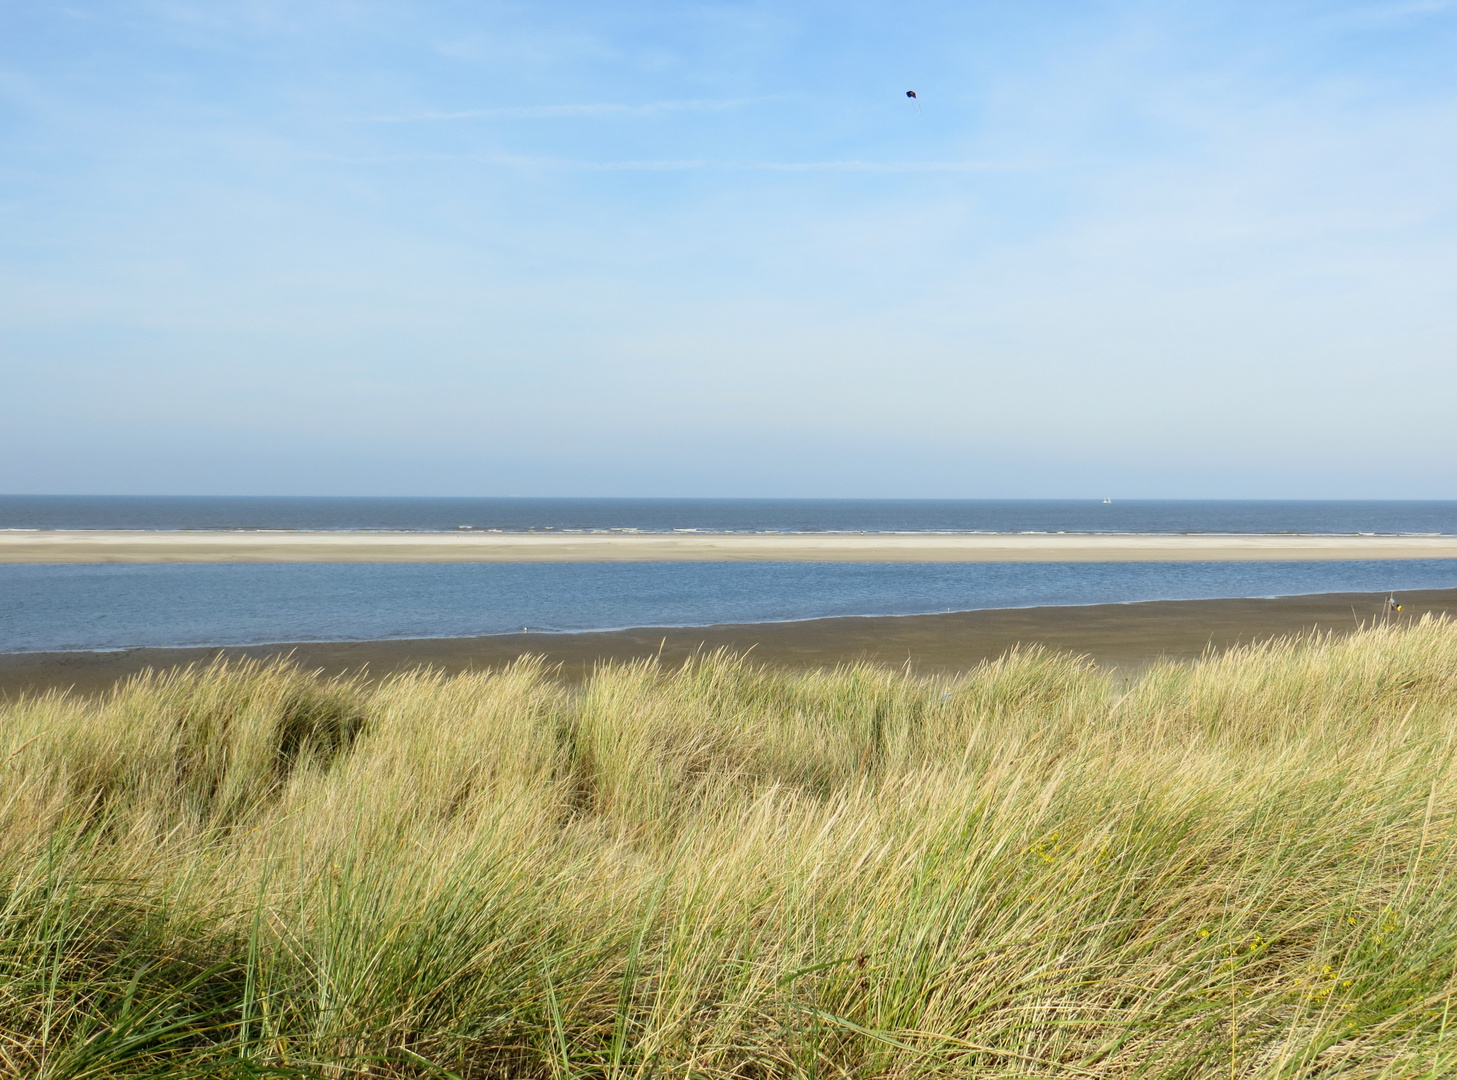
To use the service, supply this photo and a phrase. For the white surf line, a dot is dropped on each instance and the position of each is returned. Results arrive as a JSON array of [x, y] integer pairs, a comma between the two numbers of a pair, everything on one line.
[[258, 547]]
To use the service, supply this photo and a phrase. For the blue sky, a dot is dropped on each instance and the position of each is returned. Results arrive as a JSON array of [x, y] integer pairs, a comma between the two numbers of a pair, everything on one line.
[[357, 247]]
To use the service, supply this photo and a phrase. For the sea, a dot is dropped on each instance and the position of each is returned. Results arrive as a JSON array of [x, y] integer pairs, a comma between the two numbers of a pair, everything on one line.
[[106, 607]]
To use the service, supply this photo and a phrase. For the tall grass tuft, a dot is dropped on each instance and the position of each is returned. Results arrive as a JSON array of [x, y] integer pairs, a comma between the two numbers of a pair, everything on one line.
[[1242, 867]]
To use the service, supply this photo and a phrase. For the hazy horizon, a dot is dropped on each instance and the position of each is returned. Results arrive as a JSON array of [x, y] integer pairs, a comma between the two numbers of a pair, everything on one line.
[[1129, 250], [404, 496]]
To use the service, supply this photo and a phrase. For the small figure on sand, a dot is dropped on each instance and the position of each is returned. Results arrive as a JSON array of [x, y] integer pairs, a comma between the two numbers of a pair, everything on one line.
[[1391, 604]]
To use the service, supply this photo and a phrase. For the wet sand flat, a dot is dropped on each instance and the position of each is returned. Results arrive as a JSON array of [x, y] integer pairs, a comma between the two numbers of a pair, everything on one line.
[[240, 547], [1125, 637]]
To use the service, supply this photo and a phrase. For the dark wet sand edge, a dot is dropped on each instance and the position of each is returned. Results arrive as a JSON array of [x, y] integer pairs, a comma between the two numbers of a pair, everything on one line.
[[1126, 637]]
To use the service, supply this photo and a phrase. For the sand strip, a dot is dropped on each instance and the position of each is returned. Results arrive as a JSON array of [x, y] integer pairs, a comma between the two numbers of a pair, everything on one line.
[[1121, 636], [238, 547]]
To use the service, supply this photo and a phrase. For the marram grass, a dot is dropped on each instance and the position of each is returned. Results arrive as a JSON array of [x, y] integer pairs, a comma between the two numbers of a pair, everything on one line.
[[1238, 868]]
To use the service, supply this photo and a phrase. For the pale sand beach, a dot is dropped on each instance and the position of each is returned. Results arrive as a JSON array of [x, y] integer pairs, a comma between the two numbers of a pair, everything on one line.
[[21, 546], [1123, 637]]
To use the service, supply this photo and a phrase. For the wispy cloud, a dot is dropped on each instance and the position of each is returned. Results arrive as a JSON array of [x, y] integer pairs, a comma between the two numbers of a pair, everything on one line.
[[879, 166], [604, 110], [1400, 11], [769, 166], [1418, 7], [681, 165]]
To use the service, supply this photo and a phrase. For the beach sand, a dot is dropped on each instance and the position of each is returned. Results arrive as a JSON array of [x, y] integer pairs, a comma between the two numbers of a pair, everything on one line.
[[1125, 637], [19, 546]]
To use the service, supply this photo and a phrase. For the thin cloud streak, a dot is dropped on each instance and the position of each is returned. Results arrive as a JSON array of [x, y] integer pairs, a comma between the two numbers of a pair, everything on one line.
[[777, 166], [883, 166], [1402, 12], [604, 110], [564, 165]]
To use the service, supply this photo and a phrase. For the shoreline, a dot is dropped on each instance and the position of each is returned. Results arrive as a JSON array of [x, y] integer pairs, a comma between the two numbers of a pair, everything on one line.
[[134, 547], [688, 628], [1123, 637]]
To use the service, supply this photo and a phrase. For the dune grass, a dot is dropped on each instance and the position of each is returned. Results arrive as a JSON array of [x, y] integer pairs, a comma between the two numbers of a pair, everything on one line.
[[1237, 868]]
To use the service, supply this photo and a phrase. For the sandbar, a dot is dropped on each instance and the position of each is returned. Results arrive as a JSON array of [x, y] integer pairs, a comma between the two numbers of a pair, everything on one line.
[[1122, 637], [20, 546]]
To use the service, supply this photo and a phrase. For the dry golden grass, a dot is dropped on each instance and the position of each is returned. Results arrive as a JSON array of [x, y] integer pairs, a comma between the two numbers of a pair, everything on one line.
[[1239, 868]]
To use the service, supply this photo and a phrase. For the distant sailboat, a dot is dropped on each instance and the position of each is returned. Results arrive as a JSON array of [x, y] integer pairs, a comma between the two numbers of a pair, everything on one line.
[[1107, 502]]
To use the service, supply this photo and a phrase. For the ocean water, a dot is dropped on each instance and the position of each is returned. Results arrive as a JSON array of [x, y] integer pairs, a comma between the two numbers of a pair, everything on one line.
[[725, 515], [110, 607]]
